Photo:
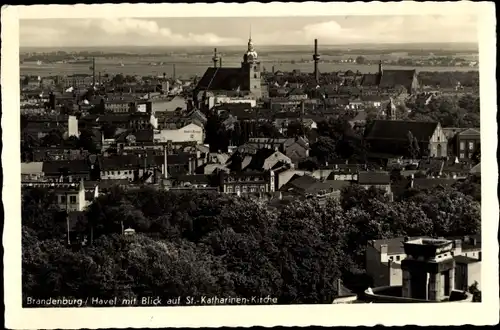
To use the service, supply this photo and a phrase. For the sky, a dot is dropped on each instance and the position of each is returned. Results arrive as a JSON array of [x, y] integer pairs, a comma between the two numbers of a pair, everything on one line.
[[227, 31]]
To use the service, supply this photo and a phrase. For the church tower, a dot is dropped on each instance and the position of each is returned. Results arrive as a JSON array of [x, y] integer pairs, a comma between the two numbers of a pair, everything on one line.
[[251, 71]]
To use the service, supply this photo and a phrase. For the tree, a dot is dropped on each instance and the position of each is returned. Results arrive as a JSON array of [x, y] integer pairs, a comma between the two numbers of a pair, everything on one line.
[[295, 129], [360, 60], [54, 138], [309, 164], [268, 130], [118, 79], [413, 146], [323, 149], [215, 134], [357, 196], [87, 141]]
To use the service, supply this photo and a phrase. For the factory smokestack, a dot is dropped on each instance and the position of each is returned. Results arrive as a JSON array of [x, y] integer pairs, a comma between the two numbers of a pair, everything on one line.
[[316, 58], [93, 71], [173, 71]]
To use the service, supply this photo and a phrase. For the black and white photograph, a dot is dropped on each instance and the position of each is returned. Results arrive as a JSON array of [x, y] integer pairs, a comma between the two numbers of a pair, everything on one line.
[[250, 163]]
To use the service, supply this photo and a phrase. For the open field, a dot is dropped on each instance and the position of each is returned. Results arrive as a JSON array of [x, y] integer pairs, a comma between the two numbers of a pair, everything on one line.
[[196, 65]]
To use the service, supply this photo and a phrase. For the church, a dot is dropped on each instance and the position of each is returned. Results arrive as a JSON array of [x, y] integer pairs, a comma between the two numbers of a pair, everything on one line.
[[245, 80], [387, 81]]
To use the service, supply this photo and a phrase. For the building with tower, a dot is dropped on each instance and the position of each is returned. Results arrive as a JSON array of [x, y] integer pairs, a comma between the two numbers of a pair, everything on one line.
[[428, 275], [243, 81]]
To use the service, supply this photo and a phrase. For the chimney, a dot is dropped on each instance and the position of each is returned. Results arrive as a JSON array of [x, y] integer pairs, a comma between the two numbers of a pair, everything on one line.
[[380, 71], [302, 108], [173, 71], [316, 58], [93, 71], [165, 162], [220, 62], [412, 180], [273, 69]]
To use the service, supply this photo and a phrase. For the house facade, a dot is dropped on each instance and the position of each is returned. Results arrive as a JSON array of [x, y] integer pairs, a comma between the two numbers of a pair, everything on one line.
[[188, 133], [468, 142]]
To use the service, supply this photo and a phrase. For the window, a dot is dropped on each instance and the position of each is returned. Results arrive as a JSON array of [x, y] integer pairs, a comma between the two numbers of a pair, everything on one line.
[[471, 145], [255, 75], [397, 258], [254, 86], [255, 68], [462, 155], [63, 199], [462, 145], [229, 189], [118, 172], [391, 258], [112, 172], [72, 199]]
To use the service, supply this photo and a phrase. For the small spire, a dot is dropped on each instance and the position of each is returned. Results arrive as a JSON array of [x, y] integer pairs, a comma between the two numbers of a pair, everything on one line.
[[250, 34]]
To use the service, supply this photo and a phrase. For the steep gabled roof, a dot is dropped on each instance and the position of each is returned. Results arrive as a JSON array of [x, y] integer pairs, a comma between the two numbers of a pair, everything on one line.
[[55, 167], [392, 78], [370, 80], [398, 130], [374, 178], [470, 132], [220, 79]]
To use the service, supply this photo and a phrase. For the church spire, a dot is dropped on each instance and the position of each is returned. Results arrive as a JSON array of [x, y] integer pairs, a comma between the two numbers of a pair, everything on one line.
[[250, 43]]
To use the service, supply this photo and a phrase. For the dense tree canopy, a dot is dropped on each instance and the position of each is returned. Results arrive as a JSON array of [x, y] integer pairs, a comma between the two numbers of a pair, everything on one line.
[[450, 111], [210, 244]]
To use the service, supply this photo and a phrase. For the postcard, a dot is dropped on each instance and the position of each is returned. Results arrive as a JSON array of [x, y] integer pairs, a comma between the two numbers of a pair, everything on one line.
[[282, 164]]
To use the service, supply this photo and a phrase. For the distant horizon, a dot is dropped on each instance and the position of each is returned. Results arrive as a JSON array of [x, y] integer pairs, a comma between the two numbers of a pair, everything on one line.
[[450, 46]]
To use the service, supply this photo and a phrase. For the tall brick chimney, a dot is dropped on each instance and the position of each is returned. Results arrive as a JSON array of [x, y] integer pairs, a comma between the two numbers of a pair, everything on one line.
[[316, 58]]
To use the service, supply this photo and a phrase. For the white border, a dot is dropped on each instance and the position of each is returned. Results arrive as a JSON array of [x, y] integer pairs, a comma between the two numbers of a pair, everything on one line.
[[484, 313]]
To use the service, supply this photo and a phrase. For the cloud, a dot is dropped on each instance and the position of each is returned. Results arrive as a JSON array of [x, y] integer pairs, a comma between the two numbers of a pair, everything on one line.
[[398, 29], [339, 30], [119, 31]]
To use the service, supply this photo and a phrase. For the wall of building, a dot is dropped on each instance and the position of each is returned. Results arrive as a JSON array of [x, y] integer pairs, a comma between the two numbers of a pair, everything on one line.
[[117, 175], [467, 145], [274, 159], [230, 100], [374, 266], [187, 133], [73, 126], [72, 200]]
